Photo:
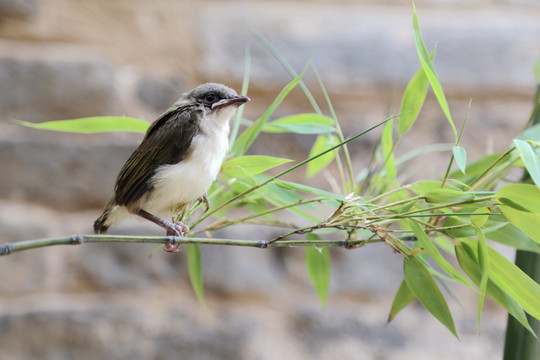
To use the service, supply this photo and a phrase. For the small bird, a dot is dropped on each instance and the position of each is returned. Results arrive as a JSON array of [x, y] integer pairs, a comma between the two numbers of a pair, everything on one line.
[[176, 162]]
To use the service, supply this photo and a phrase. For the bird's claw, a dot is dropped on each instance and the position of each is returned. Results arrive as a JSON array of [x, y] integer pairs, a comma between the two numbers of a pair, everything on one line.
[[176, 229], [172, 248], [204, 199]]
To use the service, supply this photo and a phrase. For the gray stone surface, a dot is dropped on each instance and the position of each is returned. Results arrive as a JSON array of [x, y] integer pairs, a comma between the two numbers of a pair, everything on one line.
[[159, 94], [39, 90], [105, 332], [60, 174], [144, 325], [18, 9], [358, 47]]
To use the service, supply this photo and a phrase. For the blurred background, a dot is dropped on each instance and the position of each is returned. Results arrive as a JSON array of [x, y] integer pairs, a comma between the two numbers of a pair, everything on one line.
[[62, 59]]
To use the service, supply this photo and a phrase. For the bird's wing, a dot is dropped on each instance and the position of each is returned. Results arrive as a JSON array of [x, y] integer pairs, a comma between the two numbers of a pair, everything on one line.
[[167, 141]]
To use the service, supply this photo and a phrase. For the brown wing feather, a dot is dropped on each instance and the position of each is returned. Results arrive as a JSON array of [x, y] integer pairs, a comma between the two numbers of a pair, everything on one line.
[[167, 141]]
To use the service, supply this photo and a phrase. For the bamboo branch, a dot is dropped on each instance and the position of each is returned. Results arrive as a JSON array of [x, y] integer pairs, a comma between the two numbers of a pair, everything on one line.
[[9, 248]]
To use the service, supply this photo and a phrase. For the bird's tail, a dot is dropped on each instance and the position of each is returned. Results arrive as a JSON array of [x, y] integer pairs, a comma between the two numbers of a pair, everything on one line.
[[102, 223]]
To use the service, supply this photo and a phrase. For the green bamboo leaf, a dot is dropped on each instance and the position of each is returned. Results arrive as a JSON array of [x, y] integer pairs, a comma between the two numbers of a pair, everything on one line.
[[423, 286], [510, 235], [195, 270], [425, 186], [250, 165], [525, 221], [483, 261], [301, 124], [91, 125], [482, 217], [525, 197], [249, 135], [531, 133], [387, 148], [442, 196], [259, 206], [412, 101], [429, 70], [277, 190], [318, 266], [530, 159], [469, 263], [404, 297], [476, 168], [460, 155], [515, 282], [279, 195], [313, 190], [431, 249], [322, 143]]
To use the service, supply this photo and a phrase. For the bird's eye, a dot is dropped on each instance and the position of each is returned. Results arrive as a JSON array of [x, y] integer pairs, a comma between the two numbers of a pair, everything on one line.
[[209, 98]]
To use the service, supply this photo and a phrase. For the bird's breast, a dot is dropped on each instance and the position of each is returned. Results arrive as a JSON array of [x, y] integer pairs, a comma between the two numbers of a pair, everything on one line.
[[187, 180]]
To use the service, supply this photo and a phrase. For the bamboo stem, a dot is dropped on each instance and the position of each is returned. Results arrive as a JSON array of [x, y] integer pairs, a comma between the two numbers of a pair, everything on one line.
[[9, 248]]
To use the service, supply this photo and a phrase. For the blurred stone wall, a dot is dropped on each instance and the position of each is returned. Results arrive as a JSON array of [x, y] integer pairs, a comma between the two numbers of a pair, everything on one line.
[[63, 59]]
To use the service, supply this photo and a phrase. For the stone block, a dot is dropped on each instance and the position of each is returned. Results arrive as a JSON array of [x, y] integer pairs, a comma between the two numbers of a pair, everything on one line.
[[67, 175], [159, 94], [18, 9], [40, 89], [242, 270], [115, 331]]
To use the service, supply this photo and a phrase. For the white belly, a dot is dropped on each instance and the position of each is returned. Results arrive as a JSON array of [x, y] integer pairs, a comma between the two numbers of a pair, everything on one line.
[[189, 179]]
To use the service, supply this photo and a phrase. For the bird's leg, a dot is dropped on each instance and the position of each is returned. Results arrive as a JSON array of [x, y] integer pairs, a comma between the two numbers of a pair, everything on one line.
[[206, 201], [174, 229]]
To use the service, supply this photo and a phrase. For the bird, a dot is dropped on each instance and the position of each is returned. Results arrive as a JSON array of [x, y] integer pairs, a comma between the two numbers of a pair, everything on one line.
[[176, 162]]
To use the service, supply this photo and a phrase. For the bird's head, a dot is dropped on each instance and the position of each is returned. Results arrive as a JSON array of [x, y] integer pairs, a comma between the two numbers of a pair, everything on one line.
[[216, 97]]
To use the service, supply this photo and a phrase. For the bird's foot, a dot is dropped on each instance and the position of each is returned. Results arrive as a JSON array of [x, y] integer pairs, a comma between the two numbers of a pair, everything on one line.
[[175, 229], [204, 199]]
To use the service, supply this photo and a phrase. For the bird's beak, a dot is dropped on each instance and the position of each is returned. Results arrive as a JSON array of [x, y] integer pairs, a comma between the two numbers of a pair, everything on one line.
[[236, 101]]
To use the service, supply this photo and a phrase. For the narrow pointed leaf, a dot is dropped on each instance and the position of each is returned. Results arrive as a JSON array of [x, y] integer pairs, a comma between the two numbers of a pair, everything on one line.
[[469, 263], [532, 133], [525, 196], [318, 266], [404, 297], [483, 261], [530, 159], [510, 235], [195, 270], [524, 220], [442, 196], [515, 282], [482, 217], [249, 135], [412, 101], [90, 125], [425, 242], [322, 143], [301, 124], [311, 190], [460, 155], [424, 287], [250, 165], [427, 65]]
